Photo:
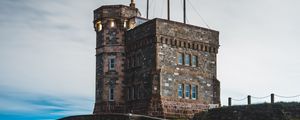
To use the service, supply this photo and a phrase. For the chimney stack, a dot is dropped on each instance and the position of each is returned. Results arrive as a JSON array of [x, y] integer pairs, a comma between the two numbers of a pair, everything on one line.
[[132, 4]]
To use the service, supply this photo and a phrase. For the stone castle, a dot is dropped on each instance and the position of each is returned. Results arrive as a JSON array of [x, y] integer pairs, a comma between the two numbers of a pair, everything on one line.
[[153, 67]]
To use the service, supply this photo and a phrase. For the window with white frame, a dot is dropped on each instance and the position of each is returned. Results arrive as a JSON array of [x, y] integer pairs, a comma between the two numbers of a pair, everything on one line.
[[180, 58], [180, 90], [194, 92], [194, 61], [112, 62], [187, 91], [187, 59]]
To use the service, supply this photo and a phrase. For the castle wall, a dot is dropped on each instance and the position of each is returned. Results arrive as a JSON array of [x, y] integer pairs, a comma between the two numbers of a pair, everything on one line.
[[173, 39], [146, 75]]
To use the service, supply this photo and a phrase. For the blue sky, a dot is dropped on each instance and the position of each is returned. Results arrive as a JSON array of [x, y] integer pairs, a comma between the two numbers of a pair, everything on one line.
[[47, 48]]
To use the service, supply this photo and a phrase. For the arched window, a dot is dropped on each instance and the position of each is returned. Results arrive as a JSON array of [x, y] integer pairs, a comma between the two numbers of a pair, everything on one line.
[[98, 26]]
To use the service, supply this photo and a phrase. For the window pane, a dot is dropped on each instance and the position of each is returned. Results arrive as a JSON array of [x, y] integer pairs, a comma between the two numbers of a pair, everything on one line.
[[111, 93], [129, 93], [112, 63], [180, 94], [132, 61], [187, 91], [194, 61], [180, 58], [133, 93], [187, 59], [194, 92]]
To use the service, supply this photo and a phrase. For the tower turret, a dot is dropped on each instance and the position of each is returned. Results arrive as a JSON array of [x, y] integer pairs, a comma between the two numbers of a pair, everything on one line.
[[110, 23]]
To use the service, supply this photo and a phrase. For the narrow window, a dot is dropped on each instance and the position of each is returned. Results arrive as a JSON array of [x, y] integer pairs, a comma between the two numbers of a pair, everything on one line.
[[111, 93], [187, 59], [128, 63], [180, 58], [132, 61], [98, 26], [128, 93], [112, 63], [180, 93], [133, 93], [112, 36], [125, 23], [194, 61], [138, 92], [112, 23], [187, 91], [137, 60], [194, 92]]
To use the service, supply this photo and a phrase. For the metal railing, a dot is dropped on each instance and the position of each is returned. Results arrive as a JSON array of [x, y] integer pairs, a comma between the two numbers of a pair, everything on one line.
[[272, 98]]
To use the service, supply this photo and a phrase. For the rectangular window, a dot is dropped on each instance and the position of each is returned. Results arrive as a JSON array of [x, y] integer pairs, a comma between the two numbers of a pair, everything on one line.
[[180, 93], [138, 92], [128, 63], [194, 61], [187, 59], [194, 92], [112, 63], [187, 91], [180, 58], [137, 60], [128, 93], [132, 61], [111, 93], [133, 93]]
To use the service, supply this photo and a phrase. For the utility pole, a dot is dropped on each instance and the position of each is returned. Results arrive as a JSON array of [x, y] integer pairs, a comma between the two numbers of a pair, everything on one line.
[[184, 11], [147, 9], [168, 9]]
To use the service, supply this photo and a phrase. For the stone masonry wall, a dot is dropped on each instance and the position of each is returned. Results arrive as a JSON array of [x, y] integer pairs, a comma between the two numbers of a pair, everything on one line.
[[141, 74], [174, 38], [111, 44]]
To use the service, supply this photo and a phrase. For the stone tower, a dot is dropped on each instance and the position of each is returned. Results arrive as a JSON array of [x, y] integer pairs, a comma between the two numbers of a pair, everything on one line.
[[153, 67], [110, 23]]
